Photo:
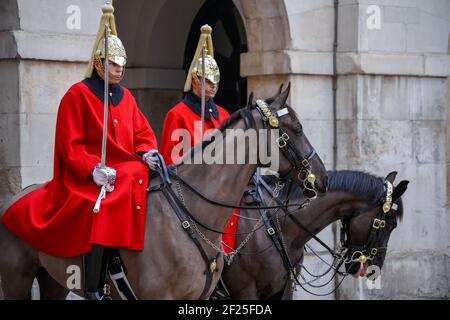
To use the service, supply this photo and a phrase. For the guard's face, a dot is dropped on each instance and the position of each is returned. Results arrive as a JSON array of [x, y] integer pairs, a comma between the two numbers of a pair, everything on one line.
[[210, 88], [115, 72]]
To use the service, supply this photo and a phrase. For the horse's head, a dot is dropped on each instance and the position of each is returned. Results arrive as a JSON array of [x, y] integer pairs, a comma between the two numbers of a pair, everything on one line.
[[298, 160], [366, 233]]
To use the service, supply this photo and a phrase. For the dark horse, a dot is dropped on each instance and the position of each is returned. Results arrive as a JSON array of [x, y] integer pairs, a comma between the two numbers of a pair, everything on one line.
[[261, 271], [172, 266]]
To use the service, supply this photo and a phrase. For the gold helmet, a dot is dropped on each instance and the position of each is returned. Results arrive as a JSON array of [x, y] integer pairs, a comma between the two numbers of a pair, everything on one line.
[[212, 72], [116, 50]]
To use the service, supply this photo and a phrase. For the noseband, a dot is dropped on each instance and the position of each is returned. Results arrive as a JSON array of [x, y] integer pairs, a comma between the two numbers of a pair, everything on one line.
[[373, 245], [299, 165]]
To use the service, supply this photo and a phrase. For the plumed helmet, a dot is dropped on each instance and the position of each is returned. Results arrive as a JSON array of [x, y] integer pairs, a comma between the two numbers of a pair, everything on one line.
[[116, 50], [212, 72]]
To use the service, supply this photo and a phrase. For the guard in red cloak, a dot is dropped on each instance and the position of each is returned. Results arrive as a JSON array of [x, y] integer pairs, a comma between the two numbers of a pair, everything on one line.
[[58, 218], [187, 115]]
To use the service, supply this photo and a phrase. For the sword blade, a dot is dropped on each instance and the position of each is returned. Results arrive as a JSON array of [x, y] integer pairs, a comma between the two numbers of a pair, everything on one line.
[[105, 98], [203, 95]]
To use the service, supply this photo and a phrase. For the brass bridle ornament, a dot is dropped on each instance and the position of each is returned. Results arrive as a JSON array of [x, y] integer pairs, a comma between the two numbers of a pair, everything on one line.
[[300, 163]]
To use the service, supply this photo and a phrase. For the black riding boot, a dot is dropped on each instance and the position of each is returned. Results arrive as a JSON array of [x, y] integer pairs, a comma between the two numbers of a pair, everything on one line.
[[93, 273]]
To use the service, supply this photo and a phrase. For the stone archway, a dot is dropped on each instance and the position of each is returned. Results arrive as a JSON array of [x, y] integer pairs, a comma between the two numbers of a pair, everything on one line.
[[155, 34], [230, 40]]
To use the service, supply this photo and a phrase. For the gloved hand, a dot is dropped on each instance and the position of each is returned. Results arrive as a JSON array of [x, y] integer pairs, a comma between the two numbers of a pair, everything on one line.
[[152, 159], [104, 176]]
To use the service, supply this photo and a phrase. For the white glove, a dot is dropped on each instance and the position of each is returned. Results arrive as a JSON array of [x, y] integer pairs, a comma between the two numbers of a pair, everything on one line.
[[104, 176], [152, 159]]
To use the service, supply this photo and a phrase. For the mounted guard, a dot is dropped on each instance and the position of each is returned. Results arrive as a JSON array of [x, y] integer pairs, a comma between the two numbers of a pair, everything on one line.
[[58, 217], [198, 109]]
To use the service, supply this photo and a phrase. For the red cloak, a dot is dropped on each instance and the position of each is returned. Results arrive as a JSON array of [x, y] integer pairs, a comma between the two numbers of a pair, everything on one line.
[[58, 218]]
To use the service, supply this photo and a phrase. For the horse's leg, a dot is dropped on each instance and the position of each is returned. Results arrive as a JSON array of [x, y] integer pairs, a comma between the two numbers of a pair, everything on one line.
[[18, 261], [50, 289], [18, 287], [18, 266]]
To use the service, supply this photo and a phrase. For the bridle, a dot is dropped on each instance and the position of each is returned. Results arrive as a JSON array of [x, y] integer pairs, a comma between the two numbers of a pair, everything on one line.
[[373, 246], [300, 165], [360, 253]]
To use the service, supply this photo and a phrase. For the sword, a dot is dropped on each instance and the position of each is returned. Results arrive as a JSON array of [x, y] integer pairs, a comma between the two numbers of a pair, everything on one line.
[[103, 189], [203, 93], [105, 98]]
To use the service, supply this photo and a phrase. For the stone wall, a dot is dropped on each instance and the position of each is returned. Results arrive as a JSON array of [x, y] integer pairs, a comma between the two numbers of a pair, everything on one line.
[[408, 138], [395, 118], [9, 127]]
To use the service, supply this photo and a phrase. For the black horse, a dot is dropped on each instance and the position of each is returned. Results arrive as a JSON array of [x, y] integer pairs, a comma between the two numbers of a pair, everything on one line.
[[367, 206]]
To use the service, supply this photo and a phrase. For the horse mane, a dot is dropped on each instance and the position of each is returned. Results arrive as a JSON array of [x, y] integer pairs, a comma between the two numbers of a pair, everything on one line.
[[357, 182], [361, 183]]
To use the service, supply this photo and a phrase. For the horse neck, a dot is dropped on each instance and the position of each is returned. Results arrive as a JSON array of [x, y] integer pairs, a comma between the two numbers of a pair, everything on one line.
[[322, 212], [225, 183]]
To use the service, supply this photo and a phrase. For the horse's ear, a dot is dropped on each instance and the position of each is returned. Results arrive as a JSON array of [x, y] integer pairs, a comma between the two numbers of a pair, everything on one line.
[[391, 176], [250, 99], [280, 89], [400, 189], [281, 99]]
